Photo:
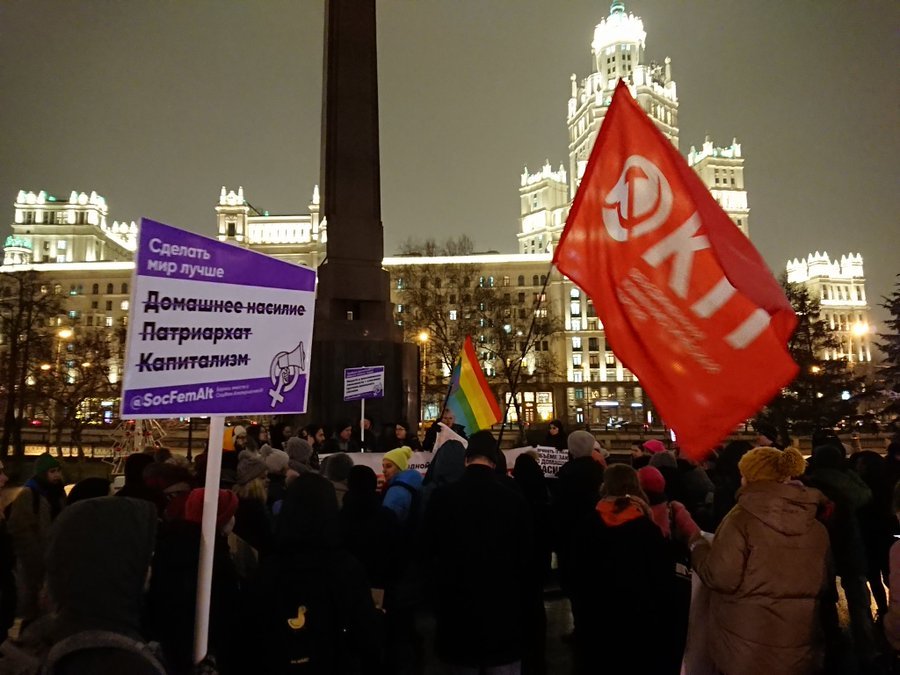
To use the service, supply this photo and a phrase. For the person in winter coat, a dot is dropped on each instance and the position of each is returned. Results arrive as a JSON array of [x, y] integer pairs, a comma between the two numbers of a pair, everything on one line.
[[30, 517], [300, 455], [336, 468], [877, 522], [678, 528], [892, 618], [530, 481], [369, 531], [727, 479], [98, 559], [829, 472], [577, 491], [401, 484], [622, 575], [766, 569], [343, 439], [276, 471], [134, 480], [7, 571], [556, 436], [171, 602], [478, 541], [251, 521], [448, 418], [447, 466], [400, 437], [369, 442], [312, 606]]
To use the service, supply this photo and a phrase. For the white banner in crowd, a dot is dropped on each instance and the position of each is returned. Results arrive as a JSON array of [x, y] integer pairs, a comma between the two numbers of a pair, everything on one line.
[[549, 459]]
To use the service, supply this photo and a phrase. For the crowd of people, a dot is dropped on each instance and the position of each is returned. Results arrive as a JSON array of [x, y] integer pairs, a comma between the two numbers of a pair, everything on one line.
[[734, 565]]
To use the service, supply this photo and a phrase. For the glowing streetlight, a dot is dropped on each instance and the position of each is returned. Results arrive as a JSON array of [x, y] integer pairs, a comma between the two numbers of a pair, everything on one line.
[[423, 340], [45, 367], [65, 333], [814, 369], [860, 329]]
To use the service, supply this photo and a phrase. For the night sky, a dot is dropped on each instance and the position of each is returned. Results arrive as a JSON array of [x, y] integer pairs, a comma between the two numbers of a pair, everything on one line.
[[157, 104]]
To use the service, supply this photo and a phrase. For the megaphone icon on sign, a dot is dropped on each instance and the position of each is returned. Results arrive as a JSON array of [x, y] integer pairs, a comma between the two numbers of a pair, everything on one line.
[[285, 372]]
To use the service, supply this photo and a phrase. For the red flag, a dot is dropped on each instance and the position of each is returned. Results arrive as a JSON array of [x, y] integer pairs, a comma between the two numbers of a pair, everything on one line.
[[687, 302]]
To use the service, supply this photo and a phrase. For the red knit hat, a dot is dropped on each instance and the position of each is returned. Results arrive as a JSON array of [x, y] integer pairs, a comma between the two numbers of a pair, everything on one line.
[[193, 508], [651, 480], [653, 446]]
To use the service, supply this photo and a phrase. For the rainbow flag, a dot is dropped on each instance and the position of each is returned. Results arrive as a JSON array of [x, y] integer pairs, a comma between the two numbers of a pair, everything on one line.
[[470, 398]]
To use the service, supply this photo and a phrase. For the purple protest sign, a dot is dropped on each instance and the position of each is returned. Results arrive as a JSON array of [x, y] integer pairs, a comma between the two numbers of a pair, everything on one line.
[[215, 329], [365, 382]]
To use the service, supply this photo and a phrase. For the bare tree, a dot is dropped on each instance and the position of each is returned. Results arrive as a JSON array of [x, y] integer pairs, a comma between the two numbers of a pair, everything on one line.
[[28, 306], [80, 373]]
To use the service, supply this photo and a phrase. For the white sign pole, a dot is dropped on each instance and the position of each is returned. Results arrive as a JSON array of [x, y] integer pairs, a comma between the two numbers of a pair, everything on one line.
[[208, 535], [362, 424]]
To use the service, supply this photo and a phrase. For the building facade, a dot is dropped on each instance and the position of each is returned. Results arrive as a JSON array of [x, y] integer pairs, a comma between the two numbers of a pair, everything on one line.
[[840, 287]]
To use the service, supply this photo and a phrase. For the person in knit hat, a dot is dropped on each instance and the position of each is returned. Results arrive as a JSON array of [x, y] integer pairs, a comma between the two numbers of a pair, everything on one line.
[[580, 444], [300, 454], [401, 484], [31, 515], [277, 466], [766, 570], [253, 520]]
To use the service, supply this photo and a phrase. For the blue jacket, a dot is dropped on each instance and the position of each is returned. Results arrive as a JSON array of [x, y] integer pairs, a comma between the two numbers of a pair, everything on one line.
[[399, 499]]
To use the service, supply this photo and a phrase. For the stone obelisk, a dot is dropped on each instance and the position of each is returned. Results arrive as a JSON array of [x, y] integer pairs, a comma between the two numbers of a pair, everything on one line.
[[354, 315]]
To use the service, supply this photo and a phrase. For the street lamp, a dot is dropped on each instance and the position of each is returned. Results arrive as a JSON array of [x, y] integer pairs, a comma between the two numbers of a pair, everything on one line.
[[423, 340]]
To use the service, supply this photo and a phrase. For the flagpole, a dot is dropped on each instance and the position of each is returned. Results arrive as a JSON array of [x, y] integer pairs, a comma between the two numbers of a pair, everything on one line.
[[515, 383]]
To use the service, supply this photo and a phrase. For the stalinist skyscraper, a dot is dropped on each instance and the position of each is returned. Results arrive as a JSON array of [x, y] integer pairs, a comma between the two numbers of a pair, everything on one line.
[[618, 51]]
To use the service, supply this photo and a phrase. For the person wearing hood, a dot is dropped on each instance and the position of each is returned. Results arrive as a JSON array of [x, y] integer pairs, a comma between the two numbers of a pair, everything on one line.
[[30, 516], [577, 491], [402, 485], [556, 436], [478, 540], [98, 559], [766, 569], [830, 473], [447, 466], [622, 576], [312, 602]]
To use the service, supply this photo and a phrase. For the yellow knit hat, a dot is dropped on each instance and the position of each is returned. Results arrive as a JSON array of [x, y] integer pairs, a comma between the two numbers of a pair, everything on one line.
[[771, 464], [400, 457]]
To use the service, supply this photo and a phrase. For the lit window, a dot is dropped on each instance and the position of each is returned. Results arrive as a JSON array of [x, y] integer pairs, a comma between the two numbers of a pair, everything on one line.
[[576, 359], [576, 344], [61, 245], [453, 315], [109, 322], [575, 294], [124, 306]]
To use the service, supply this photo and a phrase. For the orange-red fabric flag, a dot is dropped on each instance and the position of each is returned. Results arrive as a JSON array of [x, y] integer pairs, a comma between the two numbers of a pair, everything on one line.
[[686, 301]]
